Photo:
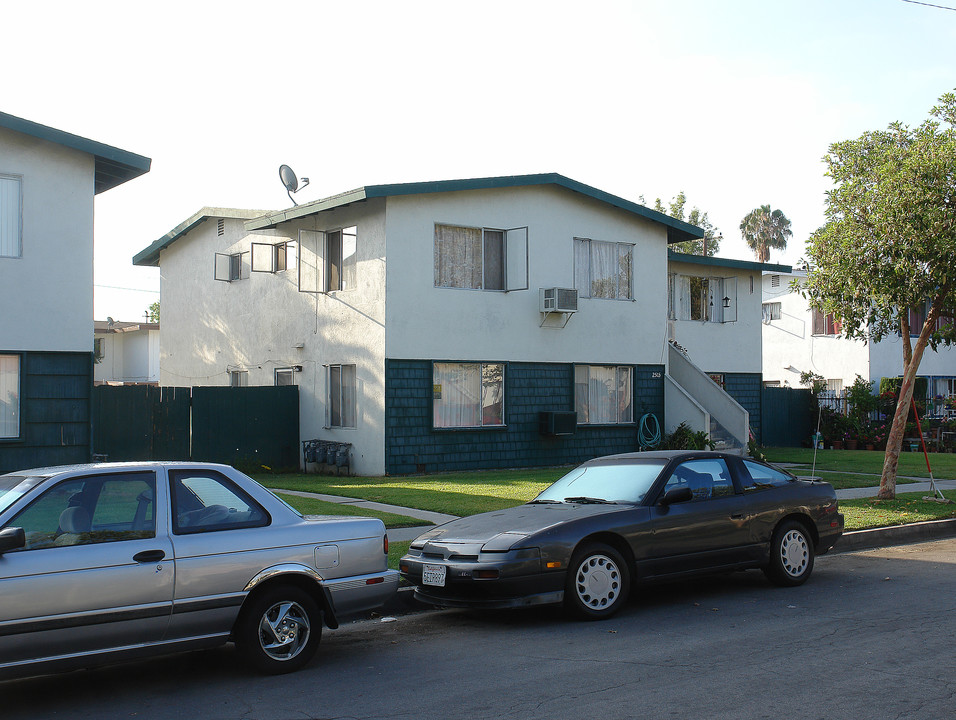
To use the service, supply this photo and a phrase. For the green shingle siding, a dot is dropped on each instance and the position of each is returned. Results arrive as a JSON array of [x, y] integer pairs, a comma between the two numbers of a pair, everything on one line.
[[411, 444], [745, 389]]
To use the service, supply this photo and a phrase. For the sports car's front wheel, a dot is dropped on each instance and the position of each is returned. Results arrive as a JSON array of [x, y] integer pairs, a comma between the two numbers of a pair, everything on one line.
[[598, 582], [791, 555]]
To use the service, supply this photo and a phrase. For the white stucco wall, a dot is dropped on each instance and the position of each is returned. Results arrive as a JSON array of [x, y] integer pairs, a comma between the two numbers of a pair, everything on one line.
[[131, 356], [425, 322], [256, 323], [728, 347], [47, 294]]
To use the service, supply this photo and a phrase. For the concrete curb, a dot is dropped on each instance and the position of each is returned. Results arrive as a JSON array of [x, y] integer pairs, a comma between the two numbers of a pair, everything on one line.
[[895, 535]]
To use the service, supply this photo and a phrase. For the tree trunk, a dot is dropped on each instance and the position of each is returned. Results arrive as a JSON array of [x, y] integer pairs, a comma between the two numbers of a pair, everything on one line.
[[894, 441]]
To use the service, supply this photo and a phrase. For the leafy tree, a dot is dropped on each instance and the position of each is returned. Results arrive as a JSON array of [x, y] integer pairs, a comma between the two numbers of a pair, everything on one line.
[[152, 312], [763, 228], [709, 244], [888, 246]]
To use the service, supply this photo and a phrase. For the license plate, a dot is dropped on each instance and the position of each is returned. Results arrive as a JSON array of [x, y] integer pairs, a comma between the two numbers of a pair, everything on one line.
[[433, 575]]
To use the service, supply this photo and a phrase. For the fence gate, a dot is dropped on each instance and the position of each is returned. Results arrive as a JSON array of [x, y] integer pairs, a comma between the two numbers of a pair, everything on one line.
[[785, 417], [244, 426]]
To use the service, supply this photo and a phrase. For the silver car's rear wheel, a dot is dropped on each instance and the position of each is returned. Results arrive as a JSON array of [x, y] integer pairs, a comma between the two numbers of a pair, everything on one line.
[[279, 630], [598, 582]]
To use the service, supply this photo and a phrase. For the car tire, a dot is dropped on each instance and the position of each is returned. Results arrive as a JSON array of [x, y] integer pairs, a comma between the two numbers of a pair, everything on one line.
[[791, 555], [278, 631], [598, 582]]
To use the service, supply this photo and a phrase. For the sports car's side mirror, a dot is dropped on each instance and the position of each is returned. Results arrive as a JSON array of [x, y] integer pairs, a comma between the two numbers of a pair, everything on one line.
[[12, 538], [677, 495]]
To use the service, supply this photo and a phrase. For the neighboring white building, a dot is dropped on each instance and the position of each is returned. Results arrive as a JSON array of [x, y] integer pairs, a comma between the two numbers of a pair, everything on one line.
[[125, 353], [797, 339], [48, 179], [470, 363]]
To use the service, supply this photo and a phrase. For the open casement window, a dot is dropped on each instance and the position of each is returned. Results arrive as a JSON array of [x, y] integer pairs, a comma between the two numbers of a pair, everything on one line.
[[707, 299], [603, 394], [327, 260], [340, 410], [481, 258], [9, 396], [272, 258], [230, 267], [468, 395], [603, 269]]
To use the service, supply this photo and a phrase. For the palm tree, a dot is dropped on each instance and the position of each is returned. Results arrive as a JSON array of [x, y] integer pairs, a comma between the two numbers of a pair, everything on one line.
[[764, 229]]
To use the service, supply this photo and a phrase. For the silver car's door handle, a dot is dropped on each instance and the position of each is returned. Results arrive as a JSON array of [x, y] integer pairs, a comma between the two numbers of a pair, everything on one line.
[[148, 556]]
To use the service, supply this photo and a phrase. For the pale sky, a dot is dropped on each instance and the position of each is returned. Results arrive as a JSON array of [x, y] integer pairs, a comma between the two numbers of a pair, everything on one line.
[[733, 101]]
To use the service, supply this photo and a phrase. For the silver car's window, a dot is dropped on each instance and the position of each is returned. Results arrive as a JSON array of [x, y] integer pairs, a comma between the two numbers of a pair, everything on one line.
[[707, 479], [760, 477], [89, 510], [624, 482], [205, 500], [12, 488]]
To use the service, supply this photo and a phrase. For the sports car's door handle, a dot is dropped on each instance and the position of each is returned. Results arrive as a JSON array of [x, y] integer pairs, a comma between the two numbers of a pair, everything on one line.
[[149, 556], [736, 516]]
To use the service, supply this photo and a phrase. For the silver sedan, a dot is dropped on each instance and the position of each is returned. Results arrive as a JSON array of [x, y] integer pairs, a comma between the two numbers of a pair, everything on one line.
[[108, 562]]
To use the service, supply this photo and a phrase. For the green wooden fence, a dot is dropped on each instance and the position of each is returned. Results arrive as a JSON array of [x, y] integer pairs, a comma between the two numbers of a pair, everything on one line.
[[785, 417], [249, 427]]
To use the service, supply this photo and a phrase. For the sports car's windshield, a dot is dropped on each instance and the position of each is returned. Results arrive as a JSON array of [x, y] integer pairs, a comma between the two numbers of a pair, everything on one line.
[[612, 483]]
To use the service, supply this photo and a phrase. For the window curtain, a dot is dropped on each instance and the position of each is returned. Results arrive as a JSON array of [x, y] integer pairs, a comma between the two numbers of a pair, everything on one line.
[[603, 394], [623, 272], [683, 293], [458, 399], [9, 217], [457, 257], [349, 243], [604, 270], [9, 396], [582, 267]]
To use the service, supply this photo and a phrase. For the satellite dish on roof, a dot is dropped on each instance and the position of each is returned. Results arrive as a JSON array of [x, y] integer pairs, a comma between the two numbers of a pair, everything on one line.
[[290, 181]]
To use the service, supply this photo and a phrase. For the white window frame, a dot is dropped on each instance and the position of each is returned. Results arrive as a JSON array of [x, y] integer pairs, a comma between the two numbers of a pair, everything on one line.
[[342, 406], [703, 303], [584, 262], [514, 259], [238, 378], [11, 216], [284, 372], [10, 396], [771, 311], [587, 406], [328, 260], [481, 393]]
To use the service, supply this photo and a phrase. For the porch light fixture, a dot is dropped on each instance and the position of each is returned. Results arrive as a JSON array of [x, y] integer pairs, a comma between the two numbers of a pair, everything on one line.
[[726, 302]]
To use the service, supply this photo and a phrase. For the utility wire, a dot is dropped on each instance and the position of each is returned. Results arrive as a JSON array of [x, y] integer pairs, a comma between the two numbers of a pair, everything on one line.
[[941, 7]]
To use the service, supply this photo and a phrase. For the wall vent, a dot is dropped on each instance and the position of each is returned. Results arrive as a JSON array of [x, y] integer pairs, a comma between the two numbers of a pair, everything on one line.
[[222, 226]]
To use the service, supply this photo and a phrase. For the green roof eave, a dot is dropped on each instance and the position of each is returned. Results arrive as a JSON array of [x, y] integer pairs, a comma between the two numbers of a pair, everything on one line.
[[673, 256], [112, 166], [149, 257], [677, 230]]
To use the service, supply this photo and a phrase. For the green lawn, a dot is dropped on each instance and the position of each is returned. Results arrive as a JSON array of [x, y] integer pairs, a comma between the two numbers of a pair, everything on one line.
[[867, 461], [906, 508], [314, 506]]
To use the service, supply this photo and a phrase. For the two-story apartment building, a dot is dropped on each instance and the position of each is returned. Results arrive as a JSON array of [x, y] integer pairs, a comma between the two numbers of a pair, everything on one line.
[[48, 179], [478, 343], [799, 339], [125, 353]]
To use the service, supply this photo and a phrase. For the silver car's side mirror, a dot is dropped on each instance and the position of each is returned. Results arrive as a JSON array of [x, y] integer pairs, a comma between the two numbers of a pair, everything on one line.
[[12, 538]]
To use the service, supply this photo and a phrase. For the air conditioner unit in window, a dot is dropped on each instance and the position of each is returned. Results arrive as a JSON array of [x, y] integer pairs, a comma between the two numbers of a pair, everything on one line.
[[562, 300], [552, 422]]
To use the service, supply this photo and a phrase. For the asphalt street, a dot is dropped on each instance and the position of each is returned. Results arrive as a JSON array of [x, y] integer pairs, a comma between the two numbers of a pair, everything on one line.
[[871, 635]]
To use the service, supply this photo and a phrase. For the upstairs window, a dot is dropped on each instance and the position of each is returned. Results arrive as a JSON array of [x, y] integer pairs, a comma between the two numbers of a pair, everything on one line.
[[230, 267], [327, 260], [603, 269], [706, 299], [771, 311], [9, 396], [468, 394], [825, 324], [238, 378], [481, 258], [10, 221], [284, 376], [603, 394]]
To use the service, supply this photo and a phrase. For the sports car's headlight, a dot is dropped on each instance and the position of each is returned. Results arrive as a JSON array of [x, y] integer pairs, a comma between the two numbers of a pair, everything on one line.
[[503, 542], [420, 541]]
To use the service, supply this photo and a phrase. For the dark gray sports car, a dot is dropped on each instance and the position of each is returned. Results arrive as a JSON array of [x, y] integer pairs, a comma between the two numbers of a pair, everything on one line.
[[615, 520]]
